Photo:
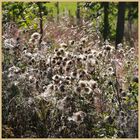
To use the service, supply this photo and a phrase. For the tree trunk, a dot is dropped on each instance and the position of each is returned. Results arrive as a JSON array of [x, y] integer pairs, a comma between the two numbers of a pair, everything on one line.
[[106, 22], [78, 13], [120, 23], [130, 25], [57, 8], [40, 21]]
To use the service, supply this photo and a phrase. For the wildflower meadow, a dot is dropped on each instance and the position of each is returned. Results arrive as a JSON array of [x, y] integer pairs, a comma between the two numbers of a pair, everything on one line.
[[69, 70]]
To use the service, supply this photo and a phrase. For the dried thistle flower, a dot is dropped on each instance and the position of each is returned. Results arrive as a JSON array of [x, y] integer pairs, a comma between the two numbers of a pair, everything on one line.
[[120, 45], [62, 51], [62, 88], [73, 74], [35, 36], [83, 40], [56, 78], [78, 117], [82, 83], [110, 69], [108, 47], [78, 89], [71, 42], [64, 45], [92, 84]]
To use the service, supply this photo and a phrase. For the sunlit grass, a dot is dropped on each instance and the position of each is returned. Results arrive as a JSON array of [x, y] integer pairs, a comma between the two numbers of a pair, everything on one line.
[[70, 6]]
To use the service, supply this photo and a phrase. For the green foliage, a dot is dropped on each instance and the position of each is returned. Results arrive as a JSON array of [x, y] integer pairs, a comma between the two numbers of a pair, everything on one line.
[[96, 9], [26, 14]]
